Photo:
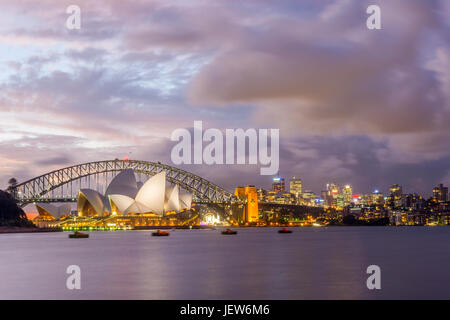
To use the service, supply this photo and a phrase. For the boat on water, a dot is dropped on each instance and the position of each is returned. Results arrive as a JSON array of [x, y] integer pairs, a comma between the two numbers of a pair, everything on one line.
[[229, 231], [78, 234], [285, 230], [160, 233]]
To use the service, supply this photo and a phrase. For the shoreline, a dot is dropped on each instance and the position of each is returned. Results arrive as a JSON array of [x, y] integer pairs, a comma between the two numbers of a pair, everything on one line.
[[5, 230], [8, 230]]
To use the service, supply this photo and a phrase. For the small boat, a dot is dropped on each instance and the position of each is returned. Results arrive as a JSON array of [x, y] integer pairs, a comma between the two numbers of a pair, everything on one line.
[[160, 233], [285, 230], [229, 231], [78, 234]]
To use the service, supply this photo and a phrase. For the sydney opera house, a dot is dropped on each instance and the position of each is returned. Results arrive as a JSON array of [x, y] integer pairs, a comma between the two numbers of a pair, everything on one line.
[[48, 210], [124, 196]]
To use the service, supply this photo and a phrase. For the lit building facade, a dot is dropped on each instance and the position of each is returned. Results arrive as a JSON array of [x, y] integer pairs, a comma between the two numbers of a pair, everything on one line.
[[395, 197], [309, 198], [123, 197], [347, 193], [295, 187], [278, 184], [440, 193]]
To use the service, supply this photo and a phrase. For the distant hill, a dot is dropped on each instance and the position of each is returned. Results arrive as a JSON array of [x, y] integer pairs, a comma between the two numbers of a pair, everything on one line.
[[10, 213]]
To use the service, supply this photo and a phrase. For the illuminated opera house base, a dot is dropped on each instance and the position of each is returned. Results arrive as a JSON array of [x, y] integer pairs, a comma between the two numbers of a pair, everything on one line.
[[124, 204]]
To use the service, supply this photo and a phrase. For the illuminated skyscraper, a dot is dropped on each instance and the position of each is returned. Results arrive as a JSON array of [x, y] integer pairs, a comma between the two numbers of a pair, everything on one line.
[[333, 199], [308, 197], [295, 187], [377, 198], [440, 193], [396, 190], [347, 192], [395, 198], [278, 184], [332, 188]]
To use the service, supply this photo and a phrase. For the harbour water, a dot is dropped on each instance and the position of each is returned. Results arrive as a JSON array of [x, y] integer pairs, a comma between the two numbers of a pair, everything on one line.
[[257, 263]]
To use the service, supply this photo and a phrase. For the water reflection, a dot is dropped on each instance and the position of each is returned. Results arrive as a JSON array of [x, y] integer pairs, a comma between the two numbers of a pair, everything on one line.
[[310, 263]]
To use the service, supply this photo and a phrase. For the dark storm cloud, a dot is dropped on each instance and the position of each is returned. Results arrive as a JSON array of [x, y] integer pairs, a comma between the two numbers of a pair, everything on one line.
[[347, 80]]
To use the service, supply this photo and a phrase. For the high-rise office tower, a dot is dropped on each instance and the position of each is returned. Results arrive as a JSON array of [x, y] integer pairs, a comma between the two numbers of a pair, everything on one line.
[[278, 184], [396, 190], [347, 192], [377, 198], [440, 193], [332, 195], [395, 197], [332, 188], [295, 187]]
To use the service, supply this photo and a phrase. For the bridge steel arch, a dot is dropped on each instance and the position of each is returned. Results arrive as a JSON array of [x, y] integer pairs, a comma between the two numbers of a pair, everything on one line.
[[36, 189]]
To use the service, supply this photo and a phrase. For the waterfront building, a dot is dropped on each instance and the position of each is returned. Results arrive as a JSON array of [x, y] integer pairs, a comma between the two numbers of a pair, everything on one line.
[[48, 211], [123, 197], [440, 193], [412, 201], [377, 198], [395, 197]]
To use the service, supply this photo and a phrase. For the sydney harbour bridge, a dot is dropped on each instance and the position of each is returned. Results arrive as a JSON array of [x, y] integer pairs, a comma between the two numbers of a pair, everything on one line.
[[62, 185]]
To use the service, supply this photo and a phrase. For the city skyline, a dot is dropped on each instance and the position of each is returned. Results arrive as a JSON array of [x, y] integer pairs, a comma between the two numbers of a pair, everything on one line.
[[305, 186]]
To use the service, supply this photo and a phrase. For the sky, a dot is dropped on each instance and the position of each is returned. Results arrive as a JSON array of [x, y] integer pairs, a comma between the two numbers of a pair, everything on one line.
[[354, 106]]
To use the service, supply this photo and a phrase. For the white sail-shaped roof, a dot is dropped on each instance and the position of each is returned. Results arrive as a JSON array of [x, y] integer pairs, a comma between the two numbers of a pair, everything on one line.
[[138, 208], [172, 202], [121, 202], [123, 197], [152, 193], [48, 209], [124, 183], [185, 201], [95, 199], [64, 209], [126, 205]]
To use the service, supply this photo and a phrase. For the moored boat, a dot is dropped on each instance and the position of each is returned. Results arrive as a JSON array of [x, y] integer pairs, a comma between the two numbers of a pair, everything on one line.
[[78, 234], [160, 233], [229, 231], [285, 230]]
